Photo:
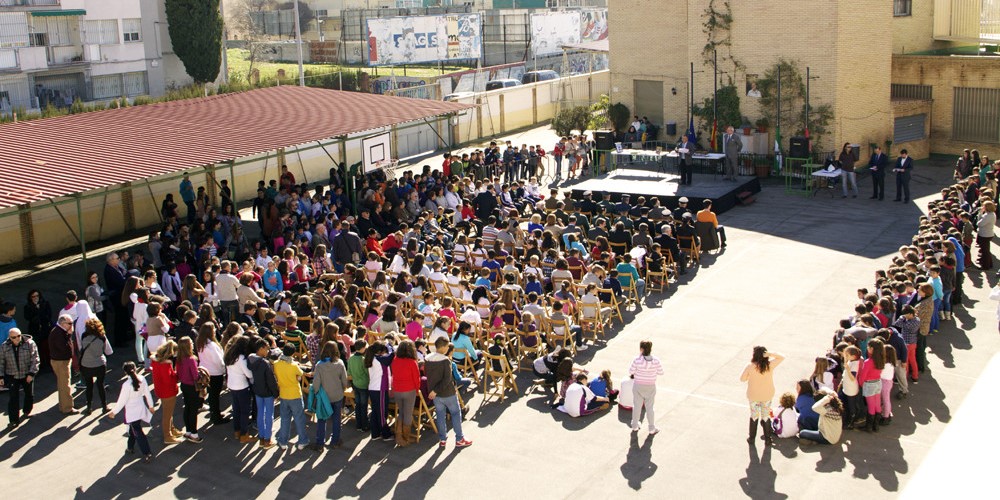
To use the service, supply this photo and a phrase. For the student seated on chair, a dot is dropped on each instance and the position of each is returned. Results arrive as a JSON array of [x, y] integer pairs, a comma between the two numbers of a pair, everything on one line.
[[706, 215], [574, 330], [499, 348], [463, 340], [628, 274], [581, 401]]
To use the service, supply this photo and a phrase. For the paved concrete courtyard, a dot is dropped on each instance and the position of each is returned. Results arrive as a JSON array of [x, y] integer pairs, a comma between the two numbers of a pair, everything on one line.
[[789, 274]]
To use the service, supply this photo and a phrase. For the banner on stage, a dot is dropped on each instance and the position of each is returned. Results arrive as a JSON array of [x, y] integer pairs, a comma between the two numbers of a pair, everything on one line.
[[422, 39]]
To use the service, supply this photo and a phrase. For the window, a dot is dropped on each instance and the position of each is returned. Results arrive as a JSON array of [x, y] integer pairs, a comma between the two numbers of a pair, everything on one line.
[[50, 31], [909, 128], [902, 7], [102, 32], [320, 12], [904, 91], [135, 83], [107, 86], [13, 29], [976, 115], [132, 30]]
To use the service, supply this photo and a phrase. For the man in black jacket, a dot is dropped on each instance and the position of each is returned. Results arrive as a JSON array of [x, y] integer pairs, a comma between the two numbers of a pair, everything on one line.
[[346, 245], [265, 389], [441, 387], [485, 203], [114, 282]]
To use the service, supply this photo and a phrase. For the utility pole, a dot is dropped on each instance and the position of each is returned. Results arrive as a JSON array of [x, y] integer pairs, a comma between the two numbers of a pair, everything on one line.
[[225, 57], [715, 95], [298, 42]]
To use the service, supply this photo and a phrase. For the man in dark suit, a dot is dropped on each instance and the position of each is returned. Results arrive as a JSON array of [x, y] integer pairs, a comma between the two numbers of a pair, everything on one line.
[[684, 151], [731, 146], [114, 283], [878, 163], [903, 169]]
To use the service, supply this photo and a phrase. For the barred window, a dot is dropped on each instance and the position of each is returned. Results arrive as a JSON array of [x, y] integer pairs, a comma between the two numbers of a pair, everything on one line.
[[902, 7], [976, 115], [102, 32]]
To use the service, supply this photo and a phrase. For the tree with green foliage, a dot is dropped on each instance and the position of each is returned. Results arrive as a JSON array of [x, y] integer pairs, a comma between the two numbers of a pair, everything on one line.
[[570, 119], [729, 109], [195, 28], [619, 115], [793, 102]]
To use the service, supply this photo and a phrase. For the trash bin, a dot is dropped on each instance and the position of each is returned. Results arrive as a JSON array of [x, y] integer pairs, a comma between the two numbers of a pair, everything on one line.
[[671, 128]]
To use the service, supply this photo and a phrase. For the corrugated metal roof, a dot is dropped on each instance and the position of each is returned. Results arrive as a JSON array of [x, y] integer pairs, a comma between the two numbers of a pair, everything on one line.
[[48, 158]]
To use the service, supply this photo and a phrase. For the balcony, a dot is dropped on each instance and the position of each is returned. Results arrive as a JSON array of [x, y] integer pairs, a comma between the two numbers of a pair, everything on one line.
[[23, 59], [969, 21]]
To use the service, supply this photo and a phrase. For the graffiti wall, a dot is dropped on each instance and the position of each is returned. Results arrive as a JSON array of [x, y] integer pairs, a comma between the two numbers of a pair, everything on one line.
[[420, 39]]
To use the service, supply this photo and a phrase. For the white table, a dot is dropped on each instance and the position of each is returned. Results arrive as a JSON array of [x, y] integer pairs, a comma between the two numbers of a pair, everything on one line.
[[825, 175]]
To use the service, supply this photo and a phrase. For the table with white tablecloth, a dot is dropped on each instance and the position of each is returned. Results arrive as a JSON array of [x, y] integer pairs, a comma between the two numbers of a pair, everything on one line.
[[824, 178]]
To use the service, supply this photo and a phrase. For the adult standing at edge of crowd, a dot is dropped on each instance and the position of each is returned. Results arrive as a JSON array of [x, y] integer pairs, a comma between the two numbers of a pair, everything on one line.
[[731, 147], [187, 194], [903, 169], [114, 281], [62, 350], [18, 367], [759, 376], [848, 157], [644, 370], [877, 165]]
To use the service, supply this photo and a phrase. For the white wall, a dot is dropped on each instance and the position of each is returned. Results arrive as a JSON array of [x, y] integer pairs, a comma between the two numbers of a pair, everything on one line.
[[107, 9]]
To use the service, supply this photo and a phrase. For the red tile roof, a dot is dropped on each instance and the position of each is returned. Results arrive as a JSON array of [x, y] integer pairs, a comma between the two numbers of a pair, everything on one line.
[[54, 157]]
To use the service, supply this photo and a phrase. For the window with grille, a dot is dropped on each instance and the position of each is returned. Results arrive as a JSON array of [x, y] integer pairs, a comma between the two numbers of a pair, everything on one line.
[[135, 83], [102, 32], [909, 128], [976, 115], [50, 31], [132, 30], [13, 29], [902, 7], [320, 12], [107, 86]]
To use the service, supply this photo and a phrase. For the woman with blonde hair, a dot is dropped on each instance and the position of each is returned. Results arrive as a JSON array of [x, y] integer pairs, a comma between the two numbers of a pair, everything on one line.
[[165, 387], [94, 349]]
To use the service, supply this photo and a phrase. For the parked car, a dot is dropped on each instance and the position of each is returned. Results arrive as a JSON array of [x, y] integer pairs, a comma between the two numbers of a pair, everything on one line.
[[539, 76], [501, 83], [457, 95]]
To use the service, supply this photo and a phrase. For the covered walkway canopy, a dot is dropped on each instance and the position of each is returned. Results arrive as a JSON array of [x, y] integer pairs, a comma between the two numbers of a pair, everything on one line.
[[58, 161], [63, 156]]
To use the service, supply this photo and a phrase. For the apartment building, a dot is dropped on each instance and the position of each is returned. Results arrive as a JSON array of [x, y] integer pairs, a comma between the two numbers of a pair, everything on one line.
[[55, 51]]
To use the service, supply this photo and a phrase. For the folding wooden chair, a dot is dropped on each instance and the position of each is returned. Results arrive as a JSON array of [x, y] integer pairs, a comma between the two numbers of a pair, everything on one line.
[[423, 416], [591, 319], [528, 343], [611, 303], [631, 292], [440, 288], [658, 280], [619, 248], [688, 243], [502, 378], [302, 353], [466, 367], [564, 339]]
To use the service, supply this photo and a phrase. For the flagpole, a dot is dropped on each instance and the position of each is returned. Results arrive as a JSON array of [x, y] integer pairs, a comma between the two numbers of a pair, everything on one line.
[[777, 130], [715, 93]]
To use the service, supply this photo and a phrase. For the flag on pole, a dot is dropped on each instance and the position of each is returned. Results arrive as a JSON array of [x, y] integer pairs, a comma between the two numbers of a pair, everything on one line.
[[691, 136], [715, 132], [808, 142]]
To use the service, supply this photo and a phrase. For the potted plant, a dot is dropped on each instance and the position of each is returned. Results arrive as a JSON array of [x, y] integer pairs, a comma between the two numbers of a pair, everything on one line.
[[762, 166], [762, 124], [746, 126]]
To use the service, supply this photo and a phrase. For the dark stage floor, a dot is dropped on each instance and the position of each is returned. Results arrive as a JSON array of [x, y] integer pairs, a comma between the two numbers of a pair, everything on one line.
[[636, 183]]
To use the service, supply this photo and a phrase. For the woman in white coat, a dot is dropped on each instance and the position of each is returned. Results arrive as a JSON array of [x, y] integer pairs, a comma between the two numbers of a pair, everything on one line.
[[137, 403]]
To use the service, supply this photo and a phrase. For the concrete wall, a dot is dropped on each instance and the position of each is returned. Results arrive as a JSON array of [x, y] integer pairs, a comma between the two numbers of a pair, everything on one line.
[[514, 108], [943, 74]]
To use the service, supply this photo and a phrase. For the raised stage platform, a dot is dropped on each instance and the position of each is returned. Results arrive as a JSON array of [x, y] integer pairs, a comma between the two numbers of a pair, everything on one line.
[[724, 194]]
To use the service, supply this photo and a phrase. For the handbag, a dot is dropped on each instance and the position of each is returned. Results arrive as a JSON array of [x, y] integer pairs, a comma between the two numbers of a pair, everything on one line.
[[871, 388]]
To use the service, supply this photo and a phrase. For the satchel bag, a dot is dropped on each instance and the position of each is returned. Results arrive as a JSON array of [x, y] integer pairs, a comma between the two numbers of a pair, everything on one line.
[[871, 388]]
